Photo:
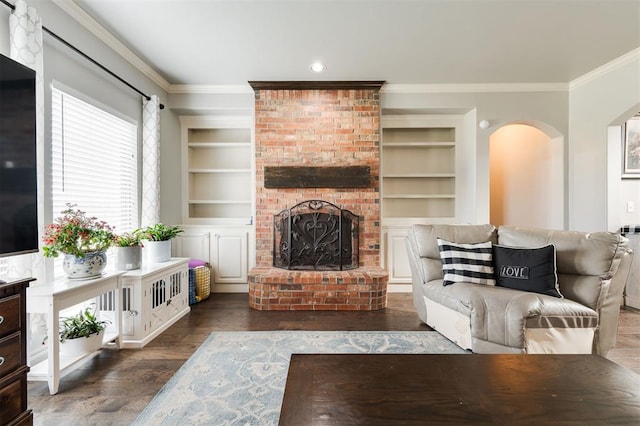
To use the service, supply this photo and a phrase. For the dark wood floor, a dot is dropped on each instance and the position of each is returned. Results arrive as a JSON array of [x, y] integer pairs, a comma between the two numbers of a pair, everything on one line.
[[114, 388]]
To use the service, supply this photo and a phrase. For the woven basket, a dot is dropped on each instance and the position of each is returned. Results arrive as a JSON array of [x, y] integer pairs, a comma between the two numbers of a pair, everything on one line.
[[203, 282]]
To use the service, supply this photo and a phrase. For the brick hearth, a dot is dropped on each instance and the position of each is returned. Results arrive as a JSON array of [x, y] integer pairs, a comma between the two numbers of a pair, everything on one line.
[[362, 289], [318, 127]]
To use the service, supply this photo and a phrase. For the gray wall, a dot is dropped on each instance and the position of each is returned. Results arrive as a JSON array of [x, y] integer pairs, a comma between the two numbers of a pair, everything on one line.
[[593, 107], [62, 65]]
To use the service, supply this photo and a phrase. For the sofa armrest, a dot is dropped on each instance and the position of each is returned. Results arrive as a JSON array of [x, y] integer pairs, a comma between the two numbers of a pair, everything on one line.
[[609, 311]]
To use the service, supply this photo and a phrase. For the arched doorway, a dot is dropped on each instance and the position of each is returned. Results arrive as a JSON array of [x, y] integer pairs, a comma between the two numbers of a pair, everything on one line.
[[526, 177]]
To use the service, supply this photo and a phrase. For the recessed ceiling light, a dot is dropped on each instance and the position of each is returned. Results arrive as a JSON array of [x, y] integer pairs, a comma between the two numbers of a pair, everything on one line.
[[317, 67]]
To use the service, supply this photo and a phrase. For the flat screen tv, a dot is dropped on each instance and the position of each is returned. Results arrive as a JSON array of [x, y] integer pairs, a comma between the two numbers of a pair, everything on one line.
[[18, 175]]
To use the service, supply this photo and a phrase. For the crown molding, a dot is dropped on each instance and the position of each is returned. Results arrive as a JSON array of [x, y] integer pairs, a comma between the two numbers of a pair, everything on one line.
[[474, 88], [316, 85], [84, 19], [388, 88], [210, 89], [592, 75]]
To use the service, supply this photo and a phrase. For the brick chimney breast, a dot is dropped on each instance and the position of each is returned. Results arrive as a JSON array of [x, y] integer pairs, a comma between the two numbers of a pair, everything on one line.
[[318, 127], [319, 124]]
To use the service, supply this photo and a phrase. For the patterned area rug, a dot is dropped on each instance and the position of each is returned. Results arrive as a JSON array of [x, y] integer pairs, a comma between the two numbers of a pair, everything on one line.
[[238, 378]]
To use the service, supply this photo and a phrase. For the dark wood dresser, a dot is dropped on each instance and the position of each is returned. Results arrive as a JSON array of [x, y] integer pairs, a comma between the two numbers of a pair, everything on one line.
[[13, 354]]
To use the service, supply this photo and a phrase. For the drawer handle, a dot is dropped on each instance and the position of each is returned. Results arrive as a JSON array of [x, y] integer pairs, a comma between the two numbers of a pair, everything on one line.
[[1, 360], [1, 319]]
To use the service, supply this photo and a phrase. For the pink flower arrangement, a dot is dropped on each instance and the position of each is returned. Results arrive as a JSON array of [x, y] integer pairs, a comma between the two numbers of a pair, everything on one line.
[[76, 233]]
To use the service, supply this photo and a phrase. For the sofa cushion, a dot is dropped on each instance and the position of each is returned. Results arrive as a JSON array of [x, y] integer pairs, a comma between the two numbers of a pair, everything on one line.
[[527, 269], [456, 297], [577, 253], [500, 315], [423, 240], [470, 263], [425, 236], [584, 260]]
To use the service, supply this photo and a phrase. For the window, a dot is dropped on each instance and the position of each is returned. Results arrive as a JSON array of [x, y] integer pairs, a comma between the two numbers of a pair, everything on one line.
[[94, 162]]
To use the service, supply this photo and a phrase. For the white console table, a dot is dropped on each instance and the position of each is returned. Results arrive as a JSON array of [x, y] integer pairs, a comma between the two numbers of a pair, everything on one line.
[[62, 294]]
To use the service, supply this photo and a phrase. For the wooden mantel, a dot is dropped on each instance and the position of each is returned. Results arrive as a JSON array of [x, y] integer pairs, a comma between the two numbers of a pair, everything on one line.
[[317, 177]]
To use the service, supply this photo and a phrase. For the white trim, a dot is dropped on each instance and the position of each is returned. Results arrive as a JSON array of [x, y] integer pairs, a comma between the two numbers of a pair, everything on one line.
[[55, 84], [399, 288], [605, 69], [474, 88], [391, 88], [210, 89], [229, 288], [84, 19]]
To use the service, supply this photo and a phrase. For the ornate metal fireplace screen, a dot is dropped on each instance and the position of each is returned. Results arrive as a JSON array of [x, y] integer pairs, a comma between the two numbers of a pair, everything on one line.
[[315, 235]]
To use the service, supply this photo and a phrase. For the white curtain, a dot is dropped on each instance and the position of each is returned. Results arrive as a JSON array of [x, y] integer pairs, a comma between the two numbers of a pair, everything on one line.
[[150, 161], [25, 40]]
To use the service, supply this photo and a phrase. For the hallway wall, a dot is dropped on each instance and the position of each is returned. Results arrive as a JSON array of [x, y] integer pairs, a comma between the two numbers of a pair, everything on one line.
[[526, 178]]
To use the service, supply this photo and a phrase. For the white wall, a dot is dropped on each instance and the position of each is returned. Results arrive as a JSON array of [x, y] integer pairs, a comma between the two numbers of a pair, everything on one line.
[[593, 107]]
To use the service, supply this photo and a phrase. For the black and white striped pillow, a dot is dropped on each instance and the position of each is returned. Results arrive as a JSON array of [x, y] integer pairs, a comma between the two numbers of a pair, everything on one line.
[[469, 263]]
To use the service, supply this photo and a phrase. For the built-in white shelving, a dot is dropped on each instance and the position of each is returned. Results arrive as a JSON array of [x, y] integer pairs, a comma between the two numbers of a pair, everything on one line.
[[418, 169], [217, 169], [420, 181]]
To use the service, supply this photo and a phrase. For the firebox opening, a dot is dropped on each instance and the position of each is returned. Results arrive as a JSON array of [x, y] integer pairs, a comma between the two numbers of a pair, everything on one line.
[[315, 235]]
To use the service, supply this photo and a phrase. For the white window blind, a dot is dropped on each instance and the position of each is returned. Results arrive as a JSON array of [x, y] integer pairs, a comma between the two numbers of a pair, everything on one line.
[[94, 162]]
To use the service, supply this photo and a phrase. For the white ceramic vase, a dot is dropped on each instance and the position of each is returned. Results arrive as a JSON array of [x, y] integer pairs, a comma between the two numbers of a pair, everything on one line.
[[90, 266]]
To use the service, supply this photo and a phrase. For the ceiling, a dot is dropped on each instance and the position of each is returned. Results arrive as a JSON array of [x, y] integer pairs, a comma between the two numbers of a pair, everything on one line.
[[230, 42]]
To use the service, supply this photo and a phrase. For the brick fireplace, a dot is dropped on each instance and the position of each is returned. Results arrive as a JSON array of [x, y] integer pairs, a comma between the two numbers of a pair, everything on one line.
[[318, 125]]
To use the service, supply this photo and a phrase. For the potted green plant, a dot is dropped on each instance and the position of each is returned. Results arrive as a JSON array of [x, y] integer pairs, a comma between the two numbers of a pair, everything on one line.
[[157, 242], [81, 333], [128, 251], [82, 239]]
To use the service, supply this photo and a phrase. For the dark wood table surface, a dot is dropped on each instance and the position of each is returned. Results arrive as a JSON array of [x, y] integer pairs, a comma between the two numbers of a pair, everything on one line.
[[407, 389]]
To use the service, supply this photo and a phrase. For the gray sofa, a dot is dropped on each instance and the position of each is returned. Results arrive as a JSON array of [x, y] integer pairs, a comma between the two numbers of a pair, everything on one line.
[[591, 273]]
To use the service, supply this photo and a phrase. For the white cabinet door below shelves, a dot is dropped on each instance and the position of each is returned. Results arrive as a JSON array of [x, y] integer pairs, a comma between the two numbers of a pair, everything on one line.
[[396, 258], [194, 245], [229, 256]]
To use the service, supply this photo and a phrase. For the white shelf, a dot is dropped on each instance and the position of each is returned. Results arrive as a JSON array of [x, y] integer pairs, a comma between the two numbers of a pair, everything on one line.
[[40, 371], [217, 169], [220, 201], [419, 175], [419, 144], [420, 196], [219, 144], [418, 168]]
